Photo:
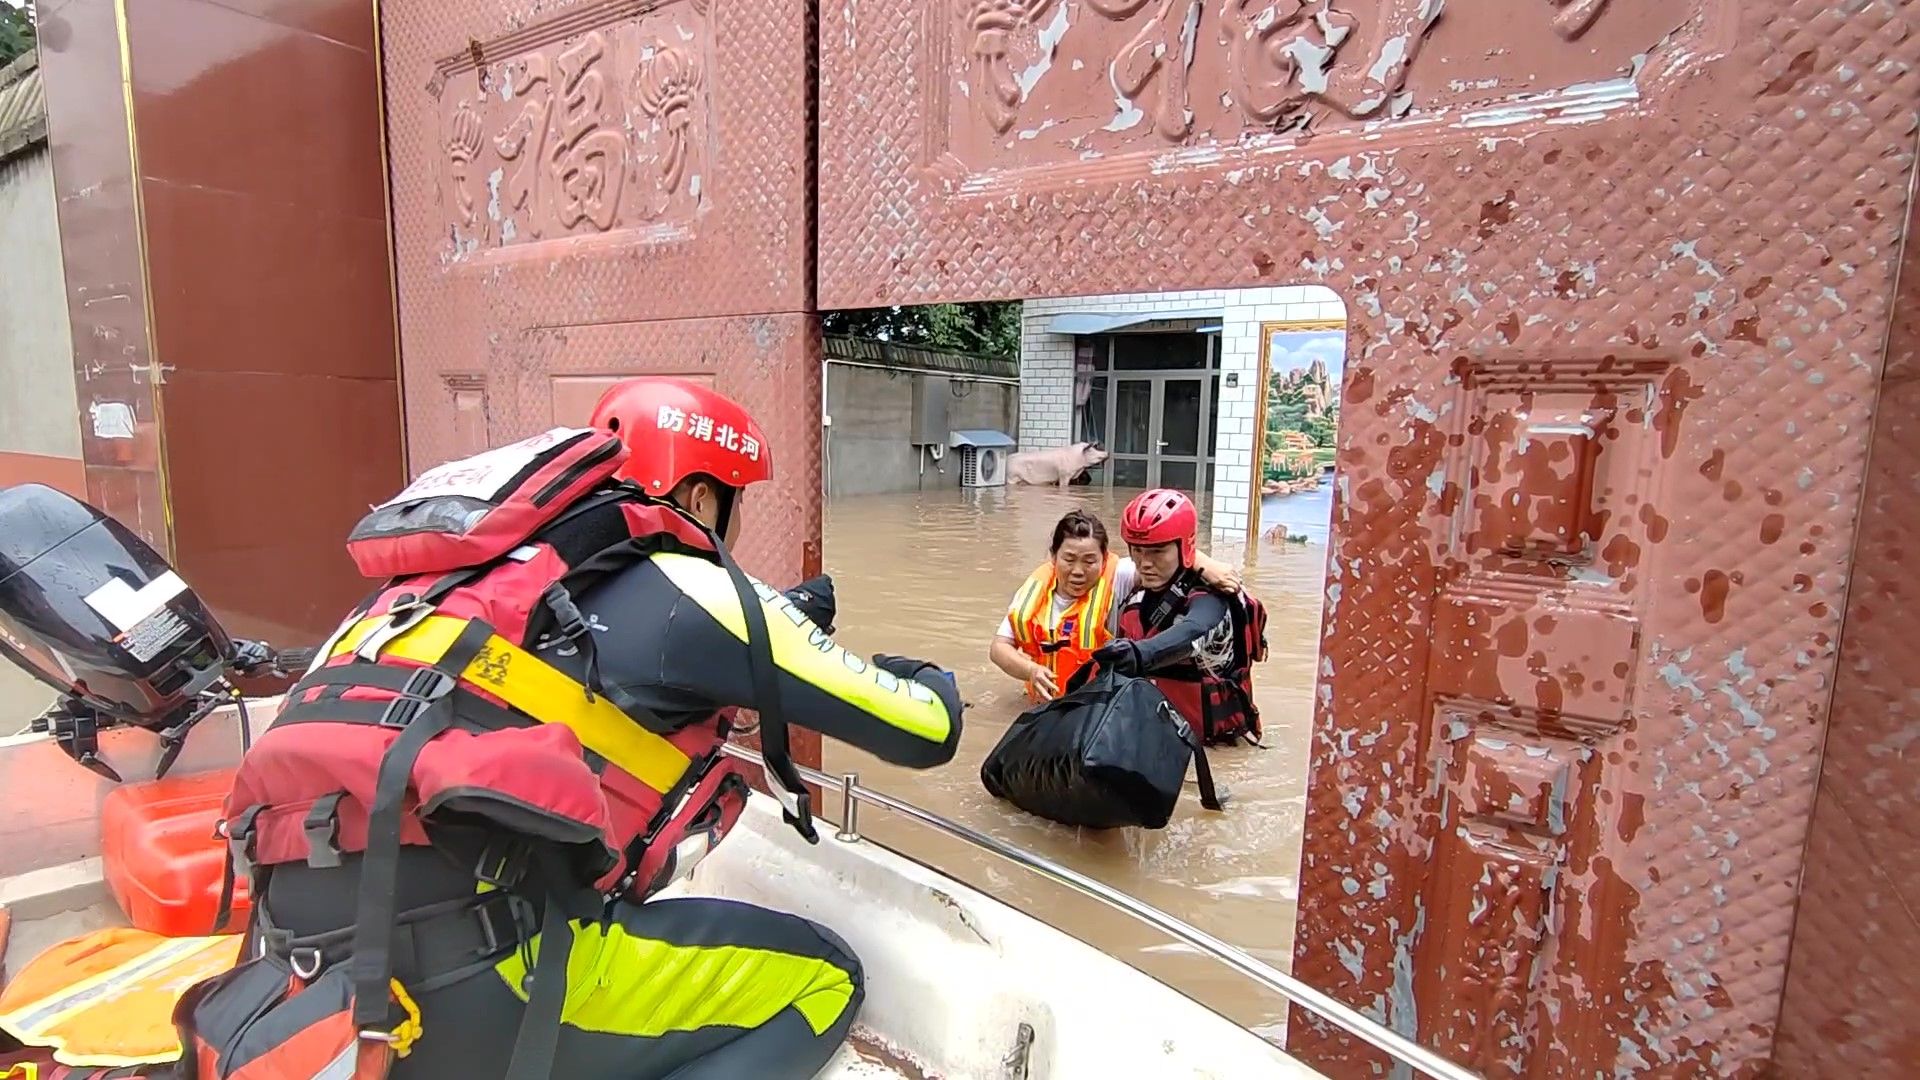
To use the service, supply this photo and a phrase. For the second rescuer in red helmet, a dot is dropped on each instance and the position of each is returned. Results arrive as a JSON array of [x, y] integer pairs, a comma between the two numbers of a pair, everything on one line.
[[537, 700], [1199, 643]]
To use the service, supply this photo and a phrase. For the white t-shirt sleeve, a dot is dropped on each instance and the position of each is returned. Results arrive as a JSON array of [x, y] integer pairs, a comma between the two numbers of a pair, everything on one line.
[[1125, 578], [1005, 633]]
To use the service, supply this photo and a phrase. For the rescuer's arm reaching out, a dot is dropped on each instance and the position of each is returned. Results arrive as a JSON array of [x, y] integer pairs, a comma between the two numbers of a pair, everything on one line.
[[676, 641], [1205, 612]]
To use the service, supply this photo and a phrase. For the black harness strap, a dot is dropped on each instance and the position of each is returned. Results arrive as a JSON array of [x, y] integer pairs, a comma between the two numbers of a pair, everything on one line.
[[238, 833], [435, 945], [766, 698], [422, 714], [394, 679], [539, 1037]]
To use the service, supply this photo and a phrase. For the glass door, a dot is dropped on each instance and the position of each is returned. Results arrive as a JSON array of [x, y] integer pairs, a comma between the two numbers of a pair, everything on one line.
[[1161, 429], [1131, 465], [1180, 423]]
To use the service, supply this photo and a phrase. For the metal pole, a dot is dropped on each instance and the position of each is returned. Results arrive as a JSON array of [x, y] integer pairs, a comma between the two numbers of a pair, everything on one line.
[[849, 808], [1314, 1001]]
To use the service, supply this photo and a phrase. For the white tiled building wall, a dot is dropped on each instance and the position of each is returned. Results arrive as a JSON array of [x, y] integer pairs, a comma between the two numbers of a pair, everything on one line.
[[1046, 373], [1046, 360], [1243, 312]]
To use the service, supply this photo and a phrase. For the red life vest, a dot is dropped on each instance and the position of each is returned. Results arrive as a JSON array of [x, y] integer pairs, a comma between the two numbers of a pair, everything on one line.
[[1219, 704], [432, 717]]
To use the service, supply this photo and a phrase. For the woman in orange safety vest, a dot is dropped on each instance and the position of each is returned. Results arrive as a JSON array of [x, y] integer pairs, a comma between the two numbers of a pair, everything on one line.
[[1070, 606]]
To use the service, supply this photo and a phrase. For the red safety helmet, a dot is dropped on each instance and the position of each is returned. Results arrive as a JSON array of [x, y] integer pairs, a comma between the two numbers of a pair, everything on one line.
[[1162, 516], [674, 429]]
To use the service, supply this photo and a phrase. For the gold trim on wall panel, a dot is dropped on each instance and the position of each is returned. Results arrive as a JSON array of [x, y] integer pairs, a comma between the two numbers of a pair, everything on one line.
[[156, 373], [393, 248], [1258, 468]]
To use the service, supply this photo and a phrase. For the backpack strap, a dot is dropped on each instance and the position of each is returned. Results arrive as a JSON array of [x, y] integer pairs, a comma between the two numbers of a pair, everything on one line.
[[783, 779], [428, 712]]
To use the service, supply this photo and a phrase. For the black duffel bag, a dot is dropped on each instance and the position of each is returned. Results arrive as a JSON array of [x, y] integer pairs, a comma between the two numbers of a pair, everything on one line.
[[1110, 752]]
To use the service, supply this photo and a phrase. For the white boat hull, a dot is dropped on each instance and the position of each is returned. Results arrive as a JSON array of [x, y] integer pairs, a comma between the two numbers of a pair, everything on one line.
[[953, 975]]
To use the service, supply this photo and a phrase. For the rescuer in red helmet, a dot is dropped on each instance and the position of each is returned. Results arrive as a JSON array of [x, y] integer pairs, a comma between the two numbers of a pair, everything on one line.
[[455, 823], [1198, 643]]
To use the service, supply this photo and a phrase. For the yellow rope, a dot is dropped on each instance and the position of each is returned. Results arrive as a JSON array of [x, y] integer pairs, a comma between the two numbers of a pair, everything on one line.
[[25, 1071], [404, 1034]]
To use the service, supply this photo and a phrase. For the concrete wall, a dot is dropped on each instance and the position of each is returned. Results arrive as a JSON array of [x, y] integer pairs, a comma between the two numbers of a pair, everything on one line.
[[39, 421], [866, 448], [1046, 373]]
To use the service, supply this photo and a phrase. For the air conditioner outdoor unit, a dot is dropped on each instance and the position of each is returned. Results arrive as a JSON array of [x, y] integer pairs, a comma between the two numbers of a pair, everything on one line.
[[983, 466], [983, 457]]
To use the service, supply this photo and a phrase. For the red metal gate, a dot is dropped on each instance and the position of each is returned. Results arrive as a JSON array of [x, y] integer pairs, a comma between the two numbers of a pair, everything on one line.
[[589, 190], [1619, 278]]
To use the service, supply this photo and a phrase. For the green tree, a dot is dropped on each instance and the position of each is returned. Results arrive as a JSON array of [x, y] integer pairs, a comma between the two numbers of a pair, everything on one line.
[[1321, 429], [16, 30], [990, 328]]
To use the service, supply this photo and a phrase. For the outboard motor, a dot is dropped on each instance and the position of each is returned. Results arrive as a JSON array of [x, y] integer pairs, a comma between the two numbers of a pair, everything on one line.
[[92, 611]]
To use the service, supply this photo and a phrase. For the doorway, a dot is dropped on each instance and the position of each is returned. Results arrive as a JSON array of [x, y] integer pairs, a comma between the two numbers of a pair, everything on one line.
[[1149, 397], [1160, 426]]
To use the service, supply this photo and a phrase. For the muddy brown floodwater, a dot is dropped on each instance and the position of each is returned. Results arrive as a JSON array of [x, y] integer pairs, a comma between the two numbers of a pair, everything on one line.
[[930, 575]]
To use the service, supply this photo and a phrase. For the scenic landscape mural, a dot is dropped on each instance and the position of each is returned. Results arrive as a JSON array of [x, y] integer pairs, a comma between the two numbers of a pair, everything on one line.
[[1303, 365]]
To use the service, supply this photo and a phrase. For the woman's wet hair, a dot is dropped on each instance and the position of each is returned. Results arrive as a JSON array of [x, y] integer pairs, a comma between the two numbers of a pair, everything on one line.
[[1078, 525]]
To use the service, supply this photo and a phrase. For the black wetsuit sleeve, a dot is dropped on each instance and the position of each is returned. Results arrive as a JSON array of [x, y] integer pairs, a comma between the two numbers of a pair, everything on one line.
[[675, 641], [1206, 610]]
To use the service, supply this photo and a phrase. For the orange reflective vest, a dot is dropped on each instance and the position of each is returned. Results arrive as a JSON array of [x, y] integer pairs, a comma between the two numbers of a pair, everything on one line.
[[106, 999], [1063, 648]]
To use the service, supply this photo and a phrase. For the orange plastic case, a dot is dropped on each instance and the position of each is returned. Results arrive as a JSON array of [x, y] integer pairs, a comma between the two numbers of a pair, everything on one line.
[[163, 861]]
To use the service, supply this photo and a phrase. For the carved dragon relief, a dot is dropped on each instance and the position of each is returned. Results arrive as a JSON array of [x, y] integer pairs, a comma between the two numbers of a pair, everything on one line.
[[1281, 56], [582, 135]]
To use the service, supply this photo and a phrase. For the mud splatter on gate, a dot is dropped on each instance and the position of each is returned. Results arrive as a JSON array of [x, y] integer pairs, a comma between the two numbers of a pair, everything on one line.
[[1579, 275]]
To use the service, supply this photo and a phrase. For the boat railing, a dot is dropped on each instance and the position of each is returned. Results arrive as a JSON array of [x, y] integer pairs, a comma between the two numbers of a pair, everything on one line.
[[1397, 1046]]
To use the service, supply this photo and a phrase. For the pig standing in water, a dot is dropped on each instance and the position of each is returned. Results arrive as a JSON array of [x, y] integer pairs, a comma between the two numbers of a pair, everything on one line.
[[1057, 466]]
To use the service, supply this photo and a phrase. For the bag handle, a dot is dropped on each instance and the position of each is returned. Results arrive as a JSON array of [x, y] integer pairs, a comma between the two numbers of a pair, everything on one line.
[[1082, 677], [1210, 797]]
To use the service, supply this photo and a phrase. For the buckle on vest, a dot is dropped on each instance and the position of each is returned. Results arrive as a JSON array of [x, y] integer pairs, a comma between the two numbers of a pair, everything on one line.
[[402, 617], [424, 687], [569, 623], [238, 832], [304, 972], [517, 913], [502, 871], [322, 827]]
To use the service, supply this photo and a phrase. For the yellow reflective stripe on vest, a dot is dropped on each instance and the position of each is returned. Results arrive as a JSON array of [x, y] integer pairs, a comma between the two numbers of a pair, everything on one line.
[[543, 692], [1097, 606], [622, 984], [106, 999], [1035, 596], [801, 650]]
